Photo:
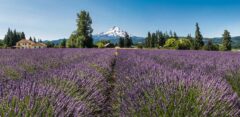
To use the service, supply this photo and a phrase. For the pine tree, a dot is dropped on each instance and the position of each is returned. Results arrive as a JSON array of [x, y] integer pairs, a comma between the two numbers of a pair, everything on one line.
[[84, 29], [30, 38], [153, 41], [82, 37], [166, 35], [227, 41], [8, 38], [175, 35], [12, 37], [148, 40], [39, 40], [198, 38], [162, 39], [121, 42], [63, 43], [127, 41], [22, 36]]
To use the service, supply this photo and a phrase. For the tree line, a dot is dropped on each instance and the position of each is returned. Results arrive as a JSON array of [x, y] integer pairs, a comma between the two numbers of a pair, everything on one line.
[[12, 37], [172, 41]]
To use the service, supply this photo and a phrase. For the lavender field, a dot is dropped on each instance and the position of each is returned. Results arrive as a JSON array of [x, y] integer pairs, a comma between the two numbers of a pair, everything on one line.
[[126, 83]]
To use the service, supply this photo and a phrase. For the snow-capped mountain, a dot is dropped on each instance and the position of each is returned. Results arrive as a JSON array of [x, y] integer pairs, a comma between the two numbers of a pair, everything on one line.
[[113, 34], [114, 31]]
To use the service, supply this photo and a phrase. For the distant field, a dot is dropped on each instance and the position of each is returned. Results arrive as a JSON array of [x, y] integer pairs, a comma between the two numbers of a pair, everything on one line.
[[101, 82]]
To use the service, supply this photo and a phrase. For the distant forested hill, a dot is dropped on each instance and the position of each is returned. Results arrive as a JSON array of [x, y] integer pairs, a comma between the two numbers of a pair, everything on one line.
[[218, 40]]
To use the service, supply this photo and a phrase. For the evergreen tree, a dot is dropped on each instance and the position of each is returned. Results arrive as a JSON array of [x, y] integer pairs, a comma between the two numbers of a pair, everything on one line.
[[162, 39], [175, 35], [153, 41], [166, 36], [227, 41], [127, 41], [121, 42], [15, 38], [11, 38], [8, 38], [1, 43], [40, 40], [50, 44], [30, 38], [82, 37], [148, 40], [209, 45], [63, 43], [22, 35], [198, 38], [71, 43], [85, 30]]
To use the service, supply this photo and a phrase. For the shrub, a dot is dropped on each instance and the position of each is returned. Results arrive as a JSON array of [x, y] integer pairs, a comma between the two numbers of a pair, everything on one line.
[[171, 43], [100, 45], [183, 44]]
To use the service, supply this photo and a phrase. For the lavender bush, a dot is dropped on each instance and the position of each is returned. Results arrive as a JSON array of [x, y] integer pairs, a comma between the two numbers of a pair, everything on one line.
[[99, 82]]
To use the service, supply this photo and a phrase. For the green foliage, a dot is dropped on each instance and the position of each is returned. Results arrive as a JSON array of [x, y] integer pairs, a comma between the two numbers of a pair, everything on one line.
[[12, 37], [184, 44], [198, 43], [40, 107], [182, 103], [28, 67], [210, 46], [181, 44], [63, 43], [153, 40], [1, 43], [50, 44], [234, 80], [68, 87], [82, 37], [226, 42], [157, 39], [171, 44], [161, 38], [121, 42], [34, 40], [140, 45], [71, 43], [148, 40], [125, 41], [12, 73], [175, 35], [102, 43]]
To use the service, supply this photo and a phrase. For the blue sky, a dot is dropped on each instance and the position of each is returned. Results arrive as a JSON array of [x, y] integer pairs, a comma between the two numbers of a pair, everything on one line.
[[54, 19]]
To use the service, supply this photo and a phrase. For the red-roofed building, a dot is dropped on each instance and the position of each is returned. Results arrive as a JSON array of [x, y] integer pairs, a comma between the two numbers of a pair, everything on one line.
[[27, 44]]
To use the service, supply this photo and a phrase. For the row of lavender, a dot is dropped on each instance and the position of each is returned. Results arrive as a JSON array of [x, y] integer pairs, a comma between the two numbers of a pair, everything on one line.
[[54, 82], [92, 82], [175, 83]]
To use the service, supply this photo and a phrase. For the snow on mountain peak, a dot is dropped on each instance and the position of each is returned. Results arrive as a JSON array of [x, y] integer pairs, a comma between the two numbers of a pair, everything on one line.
[[114, 31]]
